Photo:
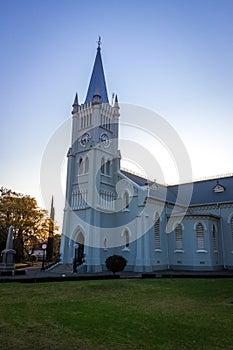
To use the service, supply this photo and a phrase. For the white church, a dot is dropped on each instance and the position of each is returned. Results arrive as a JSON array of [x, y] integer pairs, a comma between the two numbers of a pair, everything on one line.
[[110, 211]]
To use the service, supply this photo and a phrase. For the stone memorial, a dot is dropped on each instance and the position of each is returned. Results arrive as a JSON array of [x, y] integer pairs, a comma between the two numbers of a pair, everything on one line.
[[7, 267]]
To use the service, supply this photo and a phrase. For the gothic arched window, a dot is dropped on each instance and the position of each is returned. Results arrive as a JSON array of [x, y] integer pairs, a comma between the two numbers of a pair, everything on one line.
[[80, 163], [157, 231], [86, 165], [108, 167], [200, 236], [126, 200], [179, 237], [232, 228], [102, 166], [214, 238], [105, 243], [126, 238]]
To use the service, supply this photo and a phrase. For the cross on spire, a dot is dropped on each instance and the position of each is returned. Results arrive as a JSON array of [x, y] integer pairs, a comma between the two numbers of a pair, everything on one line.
[[99, 43]]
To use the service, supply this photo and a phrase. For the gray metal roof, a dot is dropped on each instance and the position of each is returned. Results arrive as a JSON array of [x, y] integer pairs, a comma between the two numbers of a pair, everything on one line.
[[159, 192], [202, 192], [97, 82]]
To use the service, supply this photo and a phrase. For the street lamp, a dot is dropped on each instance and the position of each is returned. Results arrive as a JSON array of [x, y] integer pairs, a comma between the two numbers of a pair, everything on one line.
[[44, 246], [75, 257]]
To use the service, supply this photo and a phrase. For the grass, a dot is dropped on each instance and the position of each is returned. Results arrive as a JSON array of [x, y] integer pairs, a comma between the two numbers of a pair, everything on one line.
[[118, 314]]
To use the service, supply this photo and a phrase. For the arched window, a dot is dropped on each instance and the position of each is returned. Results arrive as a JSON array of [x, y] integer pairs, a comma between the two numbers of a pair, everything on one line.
[[80, 166], [105, 243], [102, 166], [86, 165], [108, 167], [214, 238], [179, 237], [157, 231], [232, 228], [126, 238], [200, 236], [126, 200]]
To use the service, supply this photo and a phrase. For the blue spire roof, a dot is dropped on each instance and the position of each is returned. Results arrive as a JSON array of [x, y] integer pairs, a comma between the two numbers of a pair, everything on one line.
[[97, 82]]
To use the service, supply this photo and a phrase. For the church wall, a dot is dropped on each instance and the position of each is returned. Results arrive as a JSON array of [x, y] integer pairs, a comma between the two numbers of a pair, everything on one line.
[[159, 255], [225, 237], [191, 257]]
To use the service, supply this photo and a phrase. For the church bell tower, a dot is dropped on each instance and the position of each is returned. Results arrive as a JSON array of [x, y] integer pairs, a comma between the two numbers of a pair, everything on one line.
[[93, 165]]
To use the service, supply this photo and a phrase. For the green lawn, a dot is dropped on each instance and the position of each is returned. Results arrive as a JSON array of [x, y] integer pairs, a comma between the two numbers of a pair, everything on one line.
[[118, 314]]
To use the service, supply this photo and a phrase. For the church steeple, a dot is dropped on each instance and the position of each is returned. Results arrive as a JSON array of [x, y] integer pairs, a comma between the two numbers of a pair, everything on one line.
[[97, 79]]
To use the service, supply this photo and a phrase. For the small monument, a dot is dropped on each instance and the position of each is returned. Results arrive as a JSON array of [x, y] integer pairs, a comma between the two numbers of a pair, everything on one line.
[[7, 267]]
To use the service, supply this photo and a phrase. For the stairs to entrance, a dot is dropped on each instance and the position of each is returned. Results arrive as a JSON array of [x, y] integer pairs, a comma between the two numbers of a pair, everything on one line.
[[61, 269], [65, 269]]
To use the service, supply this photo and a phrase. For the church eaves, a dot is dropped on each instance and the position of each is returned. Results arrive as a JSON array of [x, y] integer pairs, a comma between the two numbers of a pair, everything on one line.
[[97, 80]]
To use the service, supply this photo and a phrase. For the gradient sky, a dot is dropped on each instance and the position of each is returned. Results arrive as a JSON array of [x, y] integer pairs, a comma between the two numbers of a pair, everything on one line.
[[172, 56]]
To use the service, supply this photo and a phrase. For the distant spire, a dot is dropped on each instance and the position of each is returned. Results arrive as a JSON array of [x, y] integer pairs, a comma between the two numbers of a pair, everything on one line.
[[50, 243], [76, 100], [75, 104], [116, 104], [52, 211], [97, 79]]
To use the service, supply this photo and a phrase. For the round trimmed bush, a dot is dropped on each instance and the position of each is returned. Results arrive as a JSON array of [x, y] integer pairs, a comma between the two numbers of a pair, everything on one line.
[[115, 263]]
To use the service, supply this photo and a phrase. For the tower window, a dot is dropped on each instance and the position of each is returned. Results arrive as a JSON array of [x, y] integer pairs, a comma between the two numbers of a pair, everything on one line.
[[80, 166], [108, 167], [86, 165], [102, 169]]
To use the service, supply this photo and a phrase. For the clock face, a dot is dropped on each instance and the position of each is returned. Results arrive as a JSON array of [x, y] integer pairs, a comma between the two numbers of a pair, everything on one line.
[[104, 139], [85, 139]]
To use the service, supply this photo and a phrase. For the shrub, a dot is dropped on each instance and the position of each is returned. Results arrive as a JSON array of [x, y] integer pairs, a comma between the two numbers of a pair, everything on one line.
[[33, 258], [115, 263]]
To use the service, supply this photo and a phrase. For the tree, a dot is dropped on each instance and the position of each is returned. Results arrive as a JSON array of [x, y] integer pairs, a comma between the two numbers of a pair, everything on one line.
[[31, 222], [115, 263]]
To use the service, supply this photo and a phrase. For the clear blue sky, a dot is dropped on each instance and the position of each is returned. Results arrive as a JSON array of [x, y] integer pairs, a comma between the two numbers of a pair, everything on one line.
[[172, 56]]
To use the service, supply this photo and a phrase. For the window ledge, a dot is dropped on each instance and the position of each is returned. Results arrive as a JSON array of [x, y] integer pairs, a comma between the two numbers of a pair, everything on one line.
[[125, 249], [179, 251], [158, 250], [201, 251]]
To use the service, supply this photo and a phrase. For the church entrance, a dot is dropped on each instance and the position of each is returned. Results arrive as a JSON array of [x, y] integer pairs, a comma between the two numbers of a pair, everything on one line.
[[78, 252]]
